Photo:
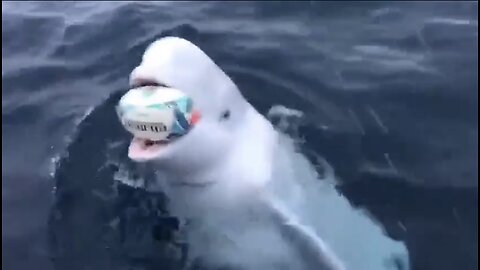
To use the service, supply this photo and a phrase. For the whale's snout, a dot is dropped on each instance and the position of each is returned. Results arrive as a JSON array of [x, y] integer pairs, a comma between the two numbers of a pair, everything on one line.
[[144, 76]]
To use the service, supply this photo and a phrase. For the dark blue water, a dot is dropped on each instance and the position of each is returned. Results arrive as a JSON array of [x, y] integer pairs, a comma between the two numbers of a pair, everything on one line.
[[389, 90]]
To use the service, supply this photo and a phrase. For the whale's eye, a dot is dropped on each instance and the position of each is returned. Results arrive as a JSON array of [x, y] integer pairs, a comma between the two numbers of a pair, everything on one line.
[[225, 115]]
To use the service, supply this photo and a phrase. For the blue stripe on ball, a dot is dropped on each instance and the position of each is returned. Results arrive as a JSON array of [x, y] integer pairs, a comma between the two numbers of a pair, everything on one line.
[[181, 124]]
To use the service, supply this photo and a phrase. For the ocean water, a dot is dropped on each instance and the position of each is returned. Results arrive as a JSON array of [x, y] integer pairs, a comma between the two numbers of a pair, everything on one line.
[[389, 92]]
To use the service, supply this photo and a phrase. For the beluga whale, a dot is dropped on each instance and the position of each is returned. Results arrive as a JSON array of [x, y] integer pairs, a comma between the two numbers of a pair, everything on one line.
[[248, 198]]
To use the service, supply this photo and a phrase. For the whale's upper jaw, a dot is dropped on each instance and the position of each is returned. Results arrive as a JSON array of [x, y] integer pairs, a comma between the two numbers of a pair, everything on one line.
[[141, 76], [139, 82]]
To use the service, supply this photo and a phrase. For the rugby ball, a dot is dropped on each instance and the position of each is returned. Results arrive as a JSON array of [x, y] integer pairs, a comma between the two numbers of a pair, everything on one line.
[[155, 113]]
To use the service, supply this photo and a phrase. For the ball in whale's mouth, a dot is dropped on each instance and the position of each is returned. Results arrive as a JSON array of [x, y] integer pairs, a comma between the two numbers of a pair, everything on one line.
[[156, 115]]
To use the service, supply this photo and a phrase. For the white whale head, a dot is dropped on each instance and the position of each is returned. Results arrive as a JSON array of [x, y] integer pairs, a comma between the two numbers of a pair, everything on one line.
[[227, 120]]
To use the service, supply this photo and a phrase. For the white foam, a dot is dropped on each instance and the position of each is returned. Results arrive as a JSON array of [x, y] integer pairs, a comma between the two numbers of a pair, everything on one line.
[[452, 21]]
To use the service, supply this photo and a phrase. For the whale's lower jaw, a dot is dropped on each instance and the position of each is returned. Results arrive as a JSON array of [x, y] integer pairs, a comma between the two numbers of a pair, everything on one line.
[[142, 150]]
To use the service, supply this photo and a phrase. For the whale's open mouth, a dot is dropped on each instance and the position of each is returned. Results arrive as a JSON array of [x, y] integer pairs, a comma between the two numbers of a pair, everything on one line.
[[142, 149]]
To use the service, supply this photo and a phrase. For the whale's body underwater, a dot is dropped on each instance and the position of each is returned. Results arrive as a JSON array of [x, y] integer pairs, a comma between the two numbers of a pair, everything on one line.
[[249, 199]]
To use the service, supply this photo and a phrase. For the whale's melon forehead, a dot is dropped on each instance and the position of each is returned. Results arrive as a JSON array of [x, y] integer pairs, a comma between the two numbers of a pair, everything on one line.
[[171, 44], [180, 64], [172, 50]]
